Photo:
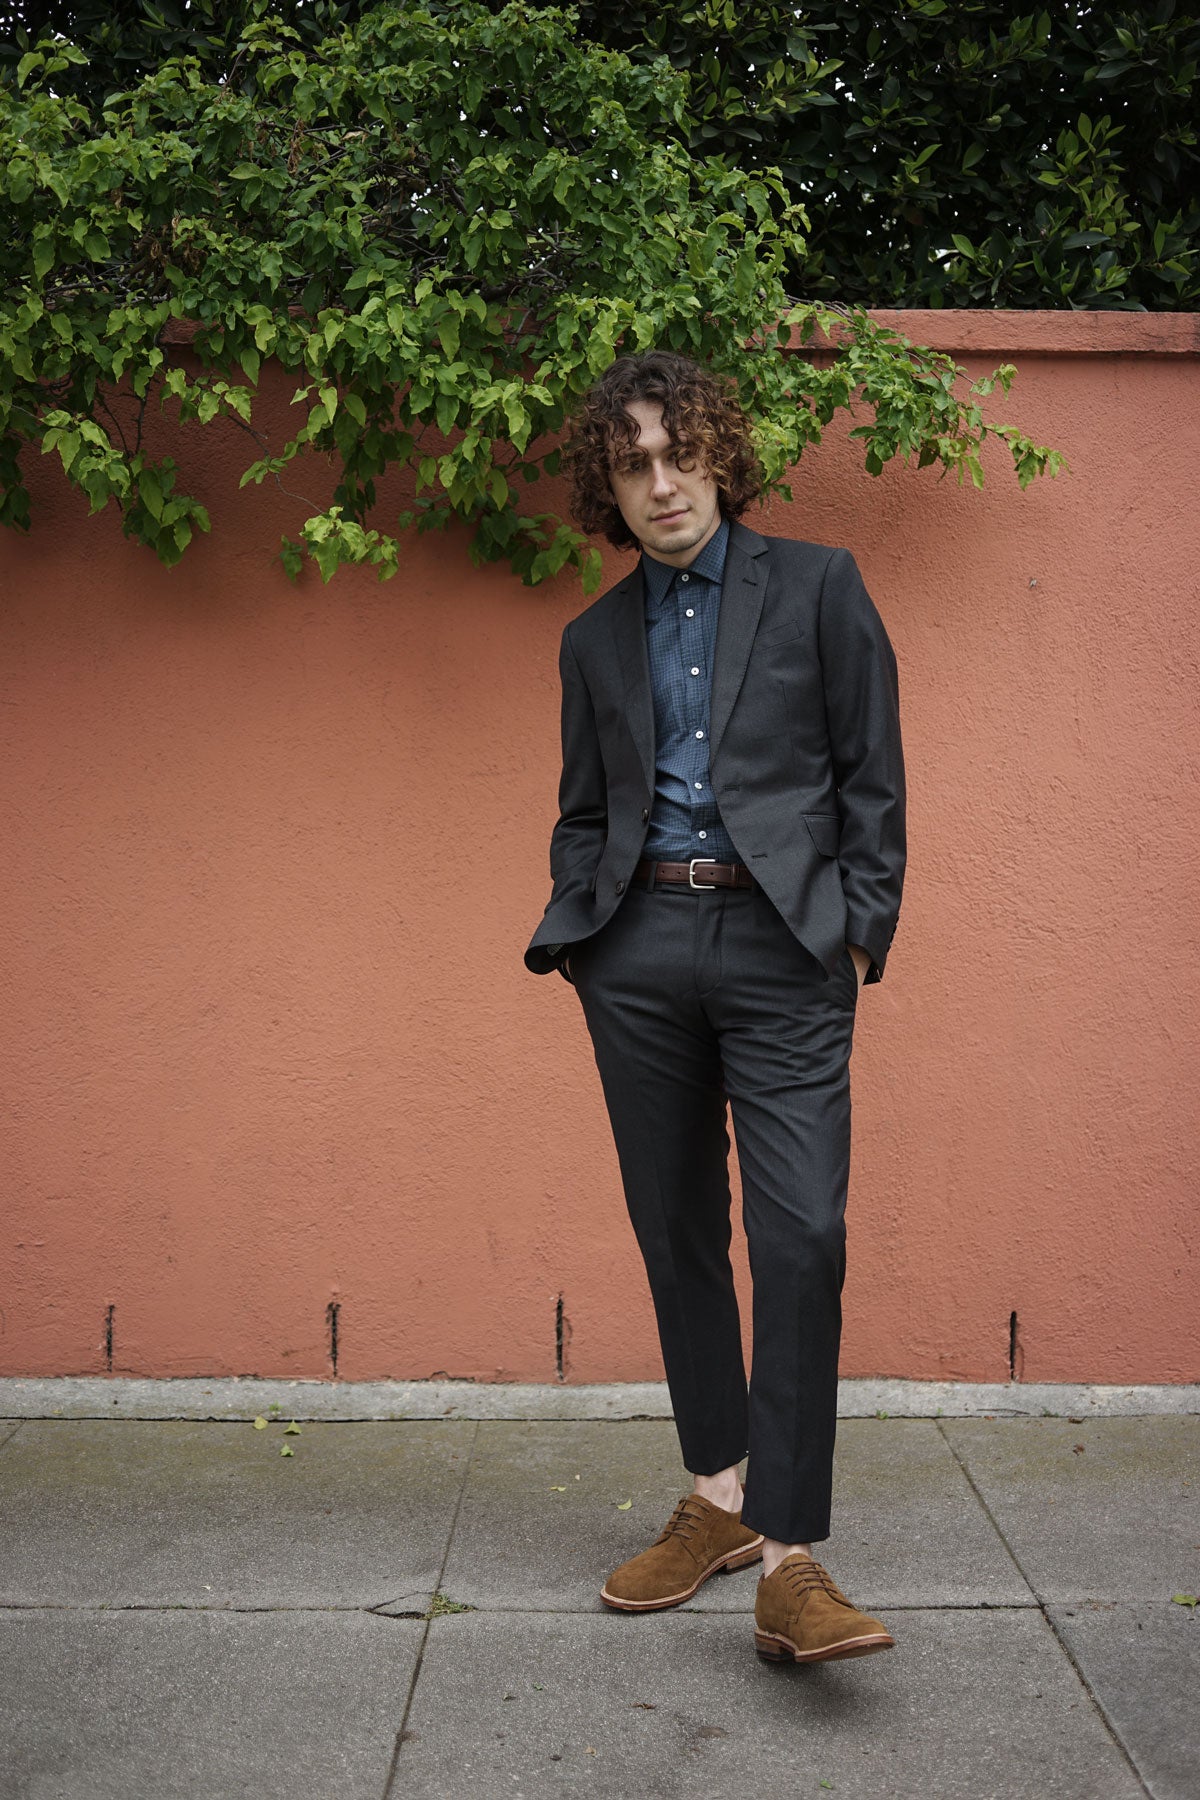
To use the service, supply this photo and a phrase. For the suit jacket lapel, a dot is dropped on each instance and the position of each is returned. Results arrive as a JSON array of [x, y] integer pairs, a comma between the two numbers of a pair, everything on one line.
[[747, 569], [629, 633]]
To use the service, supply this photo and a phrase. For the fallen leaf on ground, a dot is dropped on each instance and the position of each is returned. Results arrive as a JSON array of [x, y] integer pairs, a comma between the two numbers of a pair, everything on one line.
[[1185, 1600], [292, 1430], [624, 1505], [556, 1490], [260, 1424], [286, 1450]]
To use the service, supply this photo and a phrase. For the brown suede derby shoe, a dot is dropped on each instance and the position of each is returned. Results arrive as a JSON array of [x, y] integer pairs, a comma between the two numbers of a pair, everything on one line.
[[699, 1539], [801, 1615]]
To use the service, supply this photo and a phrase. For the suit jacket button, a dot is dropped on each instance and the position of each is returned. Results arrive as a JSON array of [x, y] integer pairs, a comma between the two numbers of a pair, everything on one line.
[[620, 887], [645, 814]]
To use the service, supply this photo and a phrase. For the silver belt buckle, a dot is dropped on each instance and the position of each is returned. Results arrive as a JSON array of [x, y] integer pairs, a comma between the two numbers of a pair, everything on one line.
[[701, 887]]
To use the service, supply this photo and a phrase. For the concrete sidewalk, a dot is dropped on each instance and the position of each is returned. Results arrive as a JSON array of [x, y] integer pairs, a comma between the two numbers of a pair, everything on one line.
[[409, 1608]]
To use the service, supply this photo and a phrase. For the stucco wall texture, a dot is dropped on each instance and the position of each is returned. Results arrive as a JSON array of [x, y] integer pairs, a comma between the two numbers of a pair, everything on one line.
[[271, 856]]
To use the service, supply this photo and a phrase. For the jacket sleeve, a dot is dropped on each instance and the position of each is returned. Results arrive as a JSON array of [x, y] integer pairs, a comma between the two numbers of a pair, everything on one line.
[[578, 839], [862, 706]]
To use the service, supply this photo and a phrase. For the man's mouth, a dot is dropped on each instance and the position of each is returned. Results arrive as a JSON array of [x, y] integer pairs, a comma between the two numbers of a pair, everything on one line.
[[666, 518]]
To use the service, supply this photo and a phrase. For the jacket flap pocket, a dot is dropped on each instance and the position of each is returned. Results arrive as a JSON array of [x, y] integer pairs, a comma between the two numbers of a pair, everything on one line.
[[825, 830], [779, 634]]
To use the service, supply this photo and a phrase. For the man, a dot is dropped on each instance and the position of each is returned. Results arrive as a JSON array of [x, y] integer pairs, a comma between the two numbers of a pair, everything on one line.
[[727, 869]]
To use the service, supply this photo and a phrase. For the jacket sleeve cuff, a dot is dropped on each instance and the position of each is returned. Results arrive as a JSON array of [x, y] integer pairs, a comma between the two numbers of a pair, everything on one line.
[[876, 949]]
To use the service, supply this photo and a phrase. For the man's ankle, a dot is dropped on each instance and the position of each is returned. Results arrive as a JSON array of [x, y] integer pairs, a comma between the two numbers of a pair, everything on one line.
[[723, 1489], [774, 1552]]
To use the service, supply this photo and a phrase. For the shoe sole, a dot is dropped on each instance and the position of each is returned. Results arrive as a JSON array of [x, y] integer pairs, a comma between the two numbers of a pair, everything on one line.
[[774, 1648], [737, 1559]]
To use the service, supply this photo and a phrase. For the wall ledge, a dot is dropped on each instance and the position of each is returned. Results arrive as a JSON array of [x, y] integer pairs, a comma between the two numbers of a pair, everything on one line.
[[1017, 333], [248, 1396], [985, 333]]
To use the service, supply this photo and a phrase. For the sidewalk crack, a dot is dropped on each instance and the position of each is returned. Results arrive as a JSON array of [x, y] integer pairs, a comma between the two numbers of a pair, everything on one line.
[[1042, 1606], [402, 1733]]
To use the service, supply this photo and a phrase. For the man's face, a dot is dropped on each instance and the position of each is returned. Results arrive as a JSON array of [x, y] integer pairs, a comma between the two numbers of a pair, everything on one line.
[[669, 502]]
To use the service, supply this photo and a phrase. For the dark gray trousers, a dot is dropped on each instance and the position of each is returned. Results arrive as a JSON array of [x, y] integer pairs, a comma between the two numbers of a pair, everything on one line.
[[694, 1000]]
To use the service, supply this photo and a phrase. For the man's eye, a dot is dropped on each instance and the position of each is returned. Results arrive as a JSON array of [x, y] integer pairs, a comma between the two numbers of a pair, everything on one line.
[[683, 461]]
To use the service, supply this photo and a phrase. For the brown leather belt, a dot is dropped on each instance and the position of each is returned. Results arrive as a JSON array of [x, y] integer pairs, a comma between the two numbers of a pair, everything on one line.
[[700, 873]]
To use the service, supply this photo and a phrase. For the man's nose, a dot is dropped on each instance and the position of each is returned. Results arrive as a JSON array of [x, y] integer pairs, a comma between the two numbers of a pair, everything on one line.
[[664, 478]]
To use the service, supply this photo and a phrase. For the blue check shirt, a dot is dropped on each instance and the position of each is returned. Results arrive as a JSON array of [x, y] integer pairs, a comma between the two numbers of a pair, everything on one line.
[[681, 635]]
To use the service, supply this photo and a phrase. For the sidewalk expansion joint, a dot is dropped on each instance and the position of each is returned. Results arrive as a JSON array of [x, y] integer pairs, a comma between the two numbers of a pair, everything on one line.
[[1093, 1696], [1042, 1605], [186, 1606], [402, 1732]]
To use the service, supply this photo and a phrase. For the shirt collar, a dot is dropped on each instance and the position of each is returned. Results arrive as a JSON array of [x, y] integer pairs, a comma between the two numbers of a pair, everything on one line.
[[709, 564]]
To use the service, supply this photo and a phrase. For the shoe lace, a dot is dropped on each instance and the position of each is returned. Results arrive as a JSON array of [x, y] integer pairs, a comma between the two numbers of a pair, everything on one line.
[[805, 1577], [684, 1522]]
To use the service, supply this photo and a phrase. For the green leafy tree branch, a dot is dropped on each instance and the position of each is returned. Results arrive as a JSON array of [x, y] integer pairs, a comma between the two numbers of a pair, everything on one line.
[[447, 222]]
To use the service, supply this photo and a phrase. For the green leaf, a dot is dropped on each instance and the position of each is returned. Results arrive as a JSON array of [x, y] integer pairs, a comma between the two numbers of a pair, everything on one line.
[[326, 555], [518, 423], [151, 492]]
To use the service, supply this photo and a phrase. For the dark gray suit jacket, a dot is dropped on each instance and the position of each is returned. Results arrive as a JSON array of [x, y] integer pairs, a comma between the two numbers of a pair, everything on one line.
[[806, 760]]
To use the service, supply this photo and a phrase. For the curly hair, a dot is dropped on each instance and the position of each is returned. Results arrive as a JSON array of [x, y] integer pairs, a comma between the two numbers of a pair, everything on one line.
[[701, 412]]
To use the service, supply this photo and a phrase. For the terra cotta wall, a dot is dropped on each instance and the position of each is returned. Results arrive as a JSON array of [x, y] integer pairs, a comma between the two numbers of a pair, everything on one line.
[[270, 857]]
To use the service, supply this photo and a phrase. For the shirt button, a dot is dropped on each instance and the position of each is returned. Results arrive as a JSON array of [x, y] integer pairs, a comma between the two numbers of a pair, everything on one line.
[[702, 834], [684, 576], [699, 786], [699, 734], [690, 613], [695, 671]]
